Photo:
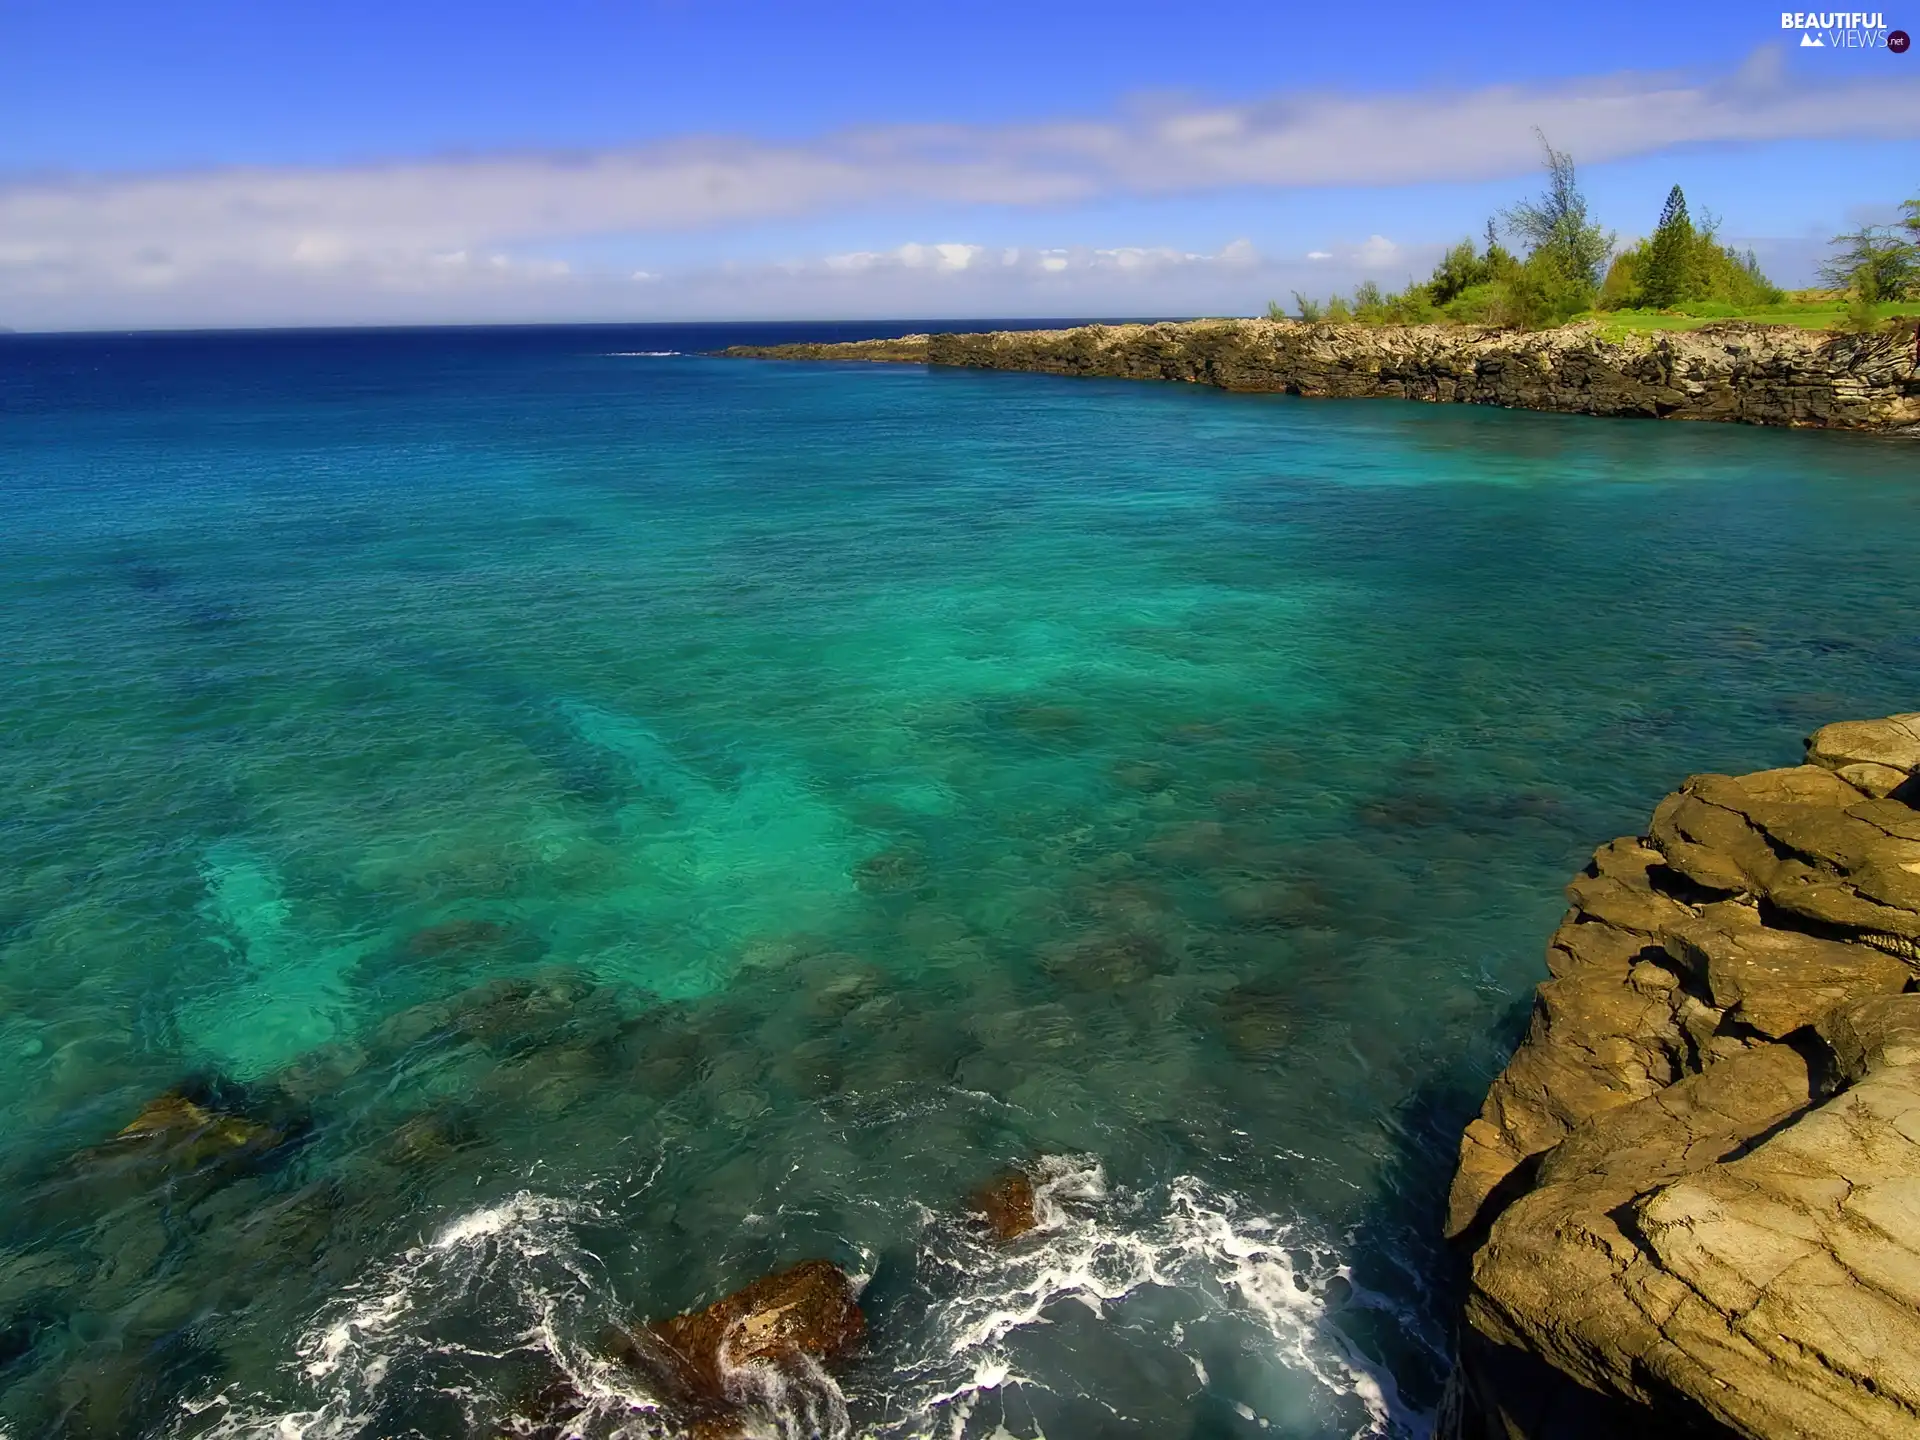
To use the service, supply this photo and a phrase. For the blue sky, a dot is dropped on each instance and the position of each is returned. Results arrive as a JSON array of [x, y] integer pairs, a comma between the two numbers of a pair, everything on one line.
[[216, 163]]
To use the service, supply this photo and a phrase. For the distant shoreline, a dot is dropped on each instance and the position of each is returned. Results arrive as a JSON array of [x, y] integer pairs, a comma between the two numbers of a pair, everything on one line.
[[1729, 371]]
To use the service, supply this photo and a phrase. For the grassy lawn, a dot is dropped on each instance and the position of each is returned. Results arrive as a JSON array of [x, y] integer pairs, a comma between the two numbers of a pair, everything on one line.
[[1811, 310]]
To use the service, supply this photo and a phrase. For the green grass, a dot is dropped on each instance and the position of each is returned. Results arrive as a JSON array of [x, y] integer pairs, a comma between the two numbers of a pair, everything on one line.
[[1810, 310]]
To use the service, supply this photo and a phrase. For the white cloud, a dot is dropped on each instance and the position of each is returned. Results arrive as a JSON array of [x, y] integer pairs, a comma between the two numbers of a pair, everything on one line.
[[294, 241], [1319, 254], [1376, 253], [946, 256]]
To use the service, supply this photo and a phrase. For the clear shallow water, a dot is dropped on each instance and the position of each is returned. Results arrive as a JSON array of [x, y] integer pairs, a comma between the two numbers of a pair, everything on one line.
[[642, 820]]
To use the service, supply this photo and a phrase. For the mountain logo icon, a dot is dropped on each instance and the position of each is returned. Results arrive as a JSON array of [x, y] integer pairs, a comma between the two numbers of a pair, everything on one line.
[[1807, 42]]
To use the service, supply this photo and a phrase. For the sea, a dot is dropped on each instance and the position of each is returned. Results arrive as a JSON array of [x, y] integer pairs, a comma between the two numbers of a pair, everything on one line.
[[598, 823]]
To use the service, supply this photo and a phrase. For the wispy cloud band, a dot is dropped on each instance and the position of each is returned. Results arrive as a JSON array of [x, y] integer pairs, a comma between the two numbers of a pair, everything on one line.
[[419, 223]]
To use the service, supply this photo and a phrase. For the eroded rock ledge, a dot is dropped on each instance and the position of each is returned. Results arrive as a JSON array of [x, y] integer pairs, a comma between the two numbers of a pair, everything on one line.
[[1756, 374], [1693, 1197]]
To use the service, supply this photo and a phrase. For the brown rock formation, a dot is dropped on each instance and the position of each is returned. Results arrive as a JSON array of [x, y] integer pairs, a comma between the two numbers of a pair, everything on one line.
[[1694, 1194], [761, 1344], [1756, 374], [1007, 1204], [175, 1136]]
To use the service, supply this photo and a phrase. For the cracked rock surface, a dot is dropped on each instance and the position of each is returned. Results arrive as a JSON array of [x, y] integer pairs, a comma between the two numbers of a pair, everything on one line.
[[1755, 374], [1693, 1197]]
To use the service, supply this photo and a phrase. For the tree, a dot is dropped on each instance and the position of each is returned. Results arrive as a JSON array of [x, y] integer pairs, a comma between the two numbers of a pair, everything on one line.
[[1664, 278], [1309, 309], [1875, 262], [1565, 248]]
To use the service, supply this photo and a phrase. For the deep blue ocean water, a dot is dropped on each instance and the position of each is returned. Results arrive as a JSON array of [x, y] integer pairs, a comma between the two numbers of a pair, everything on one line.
[[635, 820]]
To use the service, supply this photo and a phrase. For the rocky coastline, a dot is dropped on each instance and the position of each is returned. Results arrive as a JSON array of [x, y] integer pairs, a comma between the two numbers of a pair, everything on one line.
[[1732, 371], [1692, 1199]]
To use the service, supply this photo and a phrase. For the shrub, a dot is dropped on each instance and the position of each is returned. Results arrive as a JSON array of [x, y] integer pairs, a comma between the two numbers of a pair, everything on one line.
[[1476, 305]]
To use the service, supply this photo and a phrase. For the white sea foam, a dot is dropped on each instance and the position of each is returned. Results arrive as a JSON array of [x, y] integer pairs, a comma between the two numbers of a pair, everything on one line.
[[518, 1259], [1250, 1276], [641, 354], [1185, 1270]]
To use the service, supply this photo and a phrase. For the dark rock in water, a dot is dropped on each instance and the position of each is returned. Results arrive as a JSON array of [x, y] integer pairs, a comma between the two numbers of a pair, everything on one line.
[[1257, 1018], [546, 1410], [784, 1323], [1240, 796], [1139, 906], [1275, 902], [106, 1390], [1046, 722], [429, 1137], [1143, 775], [177, 1135], [457, 938], [1406, 810], [841, 983], [1195, 843], [1103, 961], [513, 1014], [892, 871], [813, 1067], [1007, 1205], [321, 1070]]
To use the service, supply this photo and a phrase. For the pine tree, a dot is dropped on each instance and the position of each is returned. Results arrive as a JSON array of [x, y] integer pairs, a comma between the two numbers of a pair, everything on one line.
[[1665, 279]]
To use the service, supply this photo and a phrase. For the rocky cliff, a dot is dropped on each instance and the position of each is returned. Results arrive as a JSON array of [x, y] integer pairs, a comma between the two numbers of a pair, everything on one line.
[[1693, 1197], [1757, 374]]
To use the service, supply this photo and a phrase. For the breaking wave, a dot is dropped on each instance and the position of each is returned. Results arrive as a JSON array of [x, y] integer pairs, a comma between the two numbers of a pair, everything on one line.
[[506, 1298], [1185, 1271], [503, 1290]]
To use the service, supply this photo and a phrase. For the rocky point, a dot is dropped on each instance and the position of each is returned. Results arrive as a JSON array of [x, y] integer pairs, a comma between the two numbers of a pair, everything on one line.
[[1732, 370], [1692, 1200]]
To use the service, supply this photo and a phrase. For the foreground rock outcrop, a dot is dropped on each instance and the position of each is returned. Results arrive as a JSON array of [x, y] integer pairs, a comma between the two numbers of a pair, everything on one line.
[[1756, 374], [1693, 1197]]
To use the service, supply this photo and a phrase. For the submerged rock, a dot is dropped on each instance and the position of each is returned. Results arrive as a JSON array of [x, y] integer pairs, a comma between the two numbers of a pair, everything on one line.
[[1692, 1193], [1105, 960], [454, 939], [891, 871], [183, 1132]]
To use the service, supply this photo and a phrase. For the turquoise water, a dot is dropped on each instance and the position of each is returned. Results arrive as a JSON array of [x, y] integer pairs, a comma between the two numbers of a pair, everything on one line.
[[634, 821]]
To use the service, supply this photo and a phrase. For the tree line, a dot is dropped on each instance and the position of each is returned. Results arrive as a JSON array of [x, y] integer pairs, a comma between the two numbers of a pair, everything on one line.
[[1564, 263]]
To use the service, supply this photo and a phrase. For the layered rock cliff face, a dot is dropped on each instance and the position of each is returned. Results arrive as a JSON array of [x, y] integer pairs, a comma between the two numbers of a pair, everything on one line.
[[1757, 374], [1693, 1197]]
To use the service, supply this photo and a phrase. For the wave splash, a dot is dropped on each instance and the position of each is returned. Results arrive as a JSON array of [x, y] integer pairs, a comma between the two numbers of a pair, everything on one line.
[[506, 1286], [1186, 1270], [1183, 1271]]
